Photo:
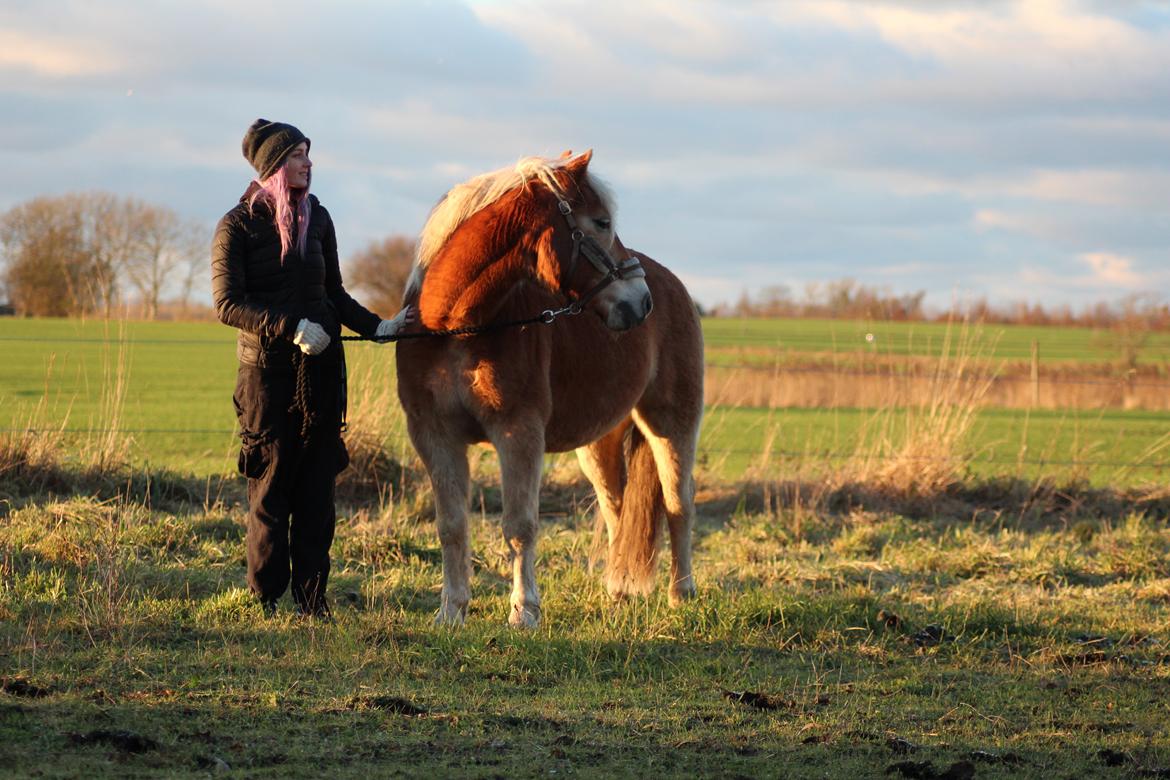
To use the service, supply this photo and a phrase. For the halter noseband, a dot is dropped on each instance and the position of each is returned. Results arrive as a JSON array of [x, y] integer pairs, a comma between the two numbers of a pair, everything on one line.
[[585, 244]]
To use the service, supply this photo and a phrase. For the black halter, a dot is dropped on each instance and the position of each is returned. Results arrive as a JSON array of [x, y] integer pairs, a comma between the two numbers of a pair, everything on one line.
[[585, 244]]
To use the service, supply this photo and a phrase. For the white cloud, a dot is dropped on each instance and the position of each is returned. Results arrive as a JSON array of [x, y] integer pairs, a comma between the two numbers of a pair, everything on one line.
[[994, 219], [1106, 187], [1108, 276], [673, 52], [420, 120], [55, 57], [1129, 188], [1041, 34], [1111, 270]]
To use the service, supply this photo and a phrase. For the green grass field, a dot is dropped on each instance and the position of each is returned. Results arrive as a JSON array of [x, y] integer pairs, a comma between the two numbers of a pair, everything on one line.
[[1006, 626], [178, 379], [1000, 342]]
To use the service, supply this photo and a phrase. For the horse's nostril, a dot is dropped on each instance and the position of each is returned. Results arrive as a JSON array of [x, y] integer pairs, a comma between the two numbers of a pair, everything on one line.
[[647, 305]]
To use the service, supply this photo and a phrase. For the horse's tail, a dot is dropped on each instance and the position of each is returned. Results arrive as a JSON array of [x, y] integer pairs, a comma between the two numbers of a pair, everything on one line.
[[633, 550]]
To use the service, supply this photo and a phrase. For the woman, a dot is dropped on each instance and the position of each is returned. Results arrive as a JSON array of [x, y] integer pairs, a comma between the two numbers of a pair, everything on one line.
[[276, 277]]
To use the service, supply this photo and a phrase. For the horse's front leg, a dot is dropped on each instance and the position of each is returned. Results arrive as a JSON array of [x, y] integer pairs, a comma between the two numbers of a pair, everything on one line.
[[446, 463], [521, 453]]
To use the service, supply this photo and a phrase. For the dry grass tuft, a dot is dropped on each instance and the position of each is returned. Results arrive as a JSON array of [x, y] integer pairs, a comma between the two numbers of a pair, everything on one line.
[[383, 469], [109, 584], [917, 449], [36, 456]]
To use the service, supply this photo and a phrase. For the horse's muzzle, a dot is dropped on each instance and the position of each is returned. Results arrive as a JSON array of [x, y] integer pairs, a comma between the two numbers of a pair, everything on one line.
[[625, 315]]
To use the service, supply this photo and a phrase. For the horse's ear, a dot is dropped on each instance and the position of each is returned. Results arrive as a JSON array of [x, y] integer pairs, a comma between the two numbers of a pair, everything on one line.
[[578, 164], [566, 154]]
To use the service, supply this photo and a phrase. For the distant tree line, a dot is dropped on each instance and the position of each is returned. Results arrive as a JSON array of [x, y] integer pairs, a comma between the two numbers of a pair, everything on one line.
[[1144, 309], [99, 253], [843, 299], [849, 299]]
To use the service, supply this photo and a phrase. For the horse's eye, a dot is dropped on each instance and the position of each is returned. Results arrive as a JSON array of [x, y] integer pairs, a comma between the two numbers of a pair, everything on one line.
[[602, 223]]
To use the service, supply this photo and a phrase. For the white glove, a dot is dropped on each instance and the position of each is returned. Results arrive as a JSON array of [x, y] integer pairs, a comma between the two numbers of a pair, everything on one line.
[[311, 338], [389, 328]]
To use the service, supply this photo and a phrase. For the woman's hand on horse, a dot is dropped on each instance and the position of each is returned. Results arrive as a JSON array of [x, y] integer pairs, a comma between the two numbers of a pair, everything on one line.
[[387, 329], [311, 337]]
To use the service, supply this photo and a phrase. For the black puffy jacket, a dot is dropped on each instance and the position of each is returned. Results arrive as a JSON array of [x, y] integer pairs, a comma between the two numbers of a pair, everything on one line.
[[265, 298]]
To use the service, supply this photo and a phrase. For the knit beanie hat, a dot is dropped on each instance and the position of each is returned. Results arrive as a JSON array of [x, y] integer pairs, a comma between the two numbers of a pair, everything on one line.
[[267, 144]]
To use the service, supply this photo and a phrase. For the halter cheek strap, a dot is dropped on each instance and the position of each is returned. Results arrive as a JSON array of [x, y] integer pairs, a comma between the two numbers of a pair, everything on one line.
[[585, 244]]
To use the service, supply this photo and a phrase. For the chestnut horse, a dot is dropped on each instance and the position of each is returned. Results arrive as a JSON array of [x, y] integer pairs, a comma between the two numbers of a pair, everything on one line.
[[622, 387]]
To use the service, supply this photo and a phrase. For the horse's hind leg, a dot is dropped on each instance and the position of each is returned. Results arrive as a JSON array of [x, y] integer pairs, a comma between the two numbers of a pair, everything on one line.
[[674, 444], [446, 463], [521, 451], [603, 465]]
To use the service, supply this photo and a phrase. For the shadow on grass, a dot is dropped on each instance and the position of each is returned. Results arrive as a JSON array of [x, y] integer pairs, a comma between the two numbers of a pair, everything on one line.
[[1015, 503], [23, 477], [165, 490]]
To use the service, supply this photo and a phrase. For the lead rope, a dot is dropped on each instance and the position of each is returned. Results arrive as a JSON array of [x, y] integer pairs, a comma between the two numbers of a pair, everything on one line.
[[302, 397], [546, 317]]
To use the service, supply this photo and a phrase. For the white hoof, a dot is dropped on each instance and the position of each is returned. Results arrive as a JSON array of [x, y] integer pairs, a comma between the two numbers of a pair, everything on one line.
[[451, 615], [524, 616]]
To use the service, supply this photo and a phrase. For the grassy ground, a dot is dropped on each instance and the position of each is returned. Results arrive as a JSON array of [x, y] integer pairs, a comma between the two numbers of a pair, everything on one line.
[[1030, 641], [852, 621]]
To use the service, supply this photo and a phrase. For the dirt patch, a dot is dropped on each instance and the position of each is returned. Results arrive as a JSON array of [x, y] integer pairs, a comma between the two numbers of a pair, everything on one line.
[[18, 686], [125, 741]]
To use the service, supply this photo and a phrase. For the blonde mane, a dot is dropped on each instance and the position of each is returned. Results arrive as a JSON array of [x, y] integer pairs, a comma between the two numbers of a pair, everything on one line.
[[478, 193]]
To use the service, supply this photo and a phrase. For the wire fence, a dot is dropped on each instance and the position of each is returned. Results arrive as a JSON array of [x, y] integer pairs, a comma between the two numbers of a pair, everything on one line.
[[706, 453], [1125, 379]]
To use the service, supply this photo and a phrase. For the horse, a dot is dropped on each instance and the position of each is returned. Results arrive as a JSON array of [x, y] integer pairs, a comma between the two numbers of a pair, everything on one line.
[[617, 384]]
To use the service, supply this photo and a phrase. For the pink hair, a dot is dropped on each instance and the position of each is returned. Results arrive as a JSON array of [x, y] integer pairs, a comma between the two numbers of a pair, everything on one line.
[[286, 203]]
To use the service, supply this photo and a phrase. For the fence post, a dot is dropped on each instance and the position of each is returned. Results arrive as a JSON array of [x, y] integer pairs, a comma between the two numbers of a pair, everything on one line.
[[1035, 373]]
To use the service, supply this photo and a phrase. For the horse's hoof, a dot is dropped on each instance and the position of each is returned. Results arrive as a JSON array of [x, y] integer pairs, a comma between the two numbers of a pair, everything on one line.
[[617, 596], [682, 593], [524, 617], [453, 617]]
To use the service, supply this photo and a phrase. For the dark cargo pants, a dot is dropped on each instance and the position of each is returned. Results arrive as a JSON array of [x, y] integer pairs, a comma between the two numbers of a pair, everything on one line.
[[291, 517]]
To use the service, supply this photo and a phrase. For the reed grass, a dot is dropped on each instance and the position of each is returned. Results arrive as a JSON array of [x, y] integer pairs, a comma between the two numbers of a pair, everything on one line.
[[820, 382], [924, 449], [45, 445]]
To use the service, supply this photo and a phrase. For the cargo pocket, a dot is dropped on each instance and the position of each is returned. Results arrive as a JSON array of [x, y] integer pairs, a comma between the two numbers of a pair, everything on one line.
[[255, 457]]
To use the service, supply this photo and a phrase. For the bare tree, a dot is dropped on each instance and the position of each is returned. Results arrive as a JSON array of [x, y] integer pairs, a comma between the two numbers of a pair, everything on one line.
[[194, 243], [380, 271], [76, 254], [166, 253], [110, 223], [49, 267]]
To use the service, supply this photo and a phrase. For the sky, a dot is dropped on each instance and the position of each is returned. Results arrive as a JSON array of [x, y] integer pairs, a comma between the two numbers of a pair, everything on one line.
[[1018, 151]]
